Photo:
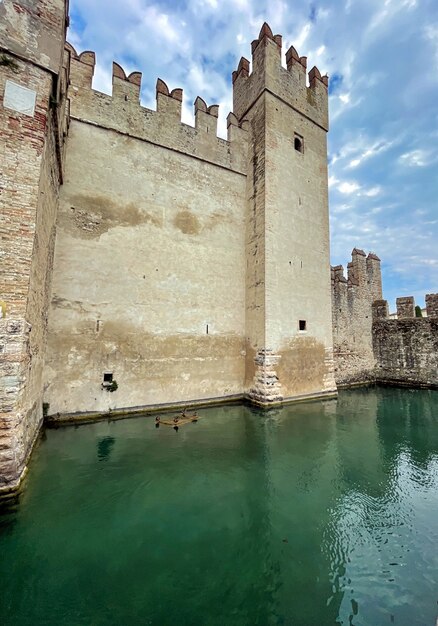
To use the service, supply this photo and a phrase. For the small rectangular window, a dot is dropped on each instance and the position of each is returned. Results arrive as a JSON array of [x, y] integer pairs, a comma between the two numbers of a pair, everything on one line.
[[302, 324], [108, 377], [298, 143]]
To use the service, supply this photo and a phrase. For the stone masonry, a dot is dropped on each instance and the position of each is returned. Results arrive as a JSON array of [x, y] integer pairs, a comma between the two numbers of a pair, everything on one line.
[[33, 111], [406, 348], [352, 300], [369, 347]]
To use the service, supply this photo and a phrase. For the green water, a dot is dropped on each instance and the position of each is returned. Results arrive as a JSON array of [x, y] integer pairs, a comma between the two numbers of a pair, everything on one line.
[[311, 515]]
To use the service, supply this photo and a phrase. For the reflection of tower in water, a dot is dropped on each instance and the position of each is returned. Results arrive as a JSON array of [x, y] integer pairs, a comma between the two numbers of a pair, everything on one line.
[[104, 448], [298, 443]]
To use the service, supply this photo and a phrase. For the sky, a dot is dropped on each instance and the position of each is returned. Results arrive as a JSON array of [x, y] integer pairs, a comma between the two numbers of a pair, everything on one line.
[[382, 60]]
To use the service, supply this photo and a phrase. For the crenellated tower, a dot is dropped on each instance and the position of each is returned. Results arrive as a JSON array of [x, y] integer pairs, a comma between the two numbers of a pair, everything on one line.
[[353, 301], [288, 302]]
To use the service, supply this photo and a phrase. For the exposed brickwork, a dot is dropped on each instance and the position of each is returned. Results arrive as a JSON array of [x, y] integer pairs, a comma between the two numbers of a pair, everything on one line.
[[31, 156]]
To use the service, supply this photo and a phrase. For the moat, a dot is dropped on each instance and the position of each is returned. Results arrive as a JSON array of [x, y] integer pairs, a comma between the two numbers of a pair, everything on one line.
[[313, 514]]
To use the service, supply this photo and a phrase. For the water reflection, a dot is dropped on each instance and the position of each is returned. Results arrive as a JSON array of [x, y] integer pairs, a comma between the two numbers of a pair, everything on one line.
[[318, 513], [104, 448]]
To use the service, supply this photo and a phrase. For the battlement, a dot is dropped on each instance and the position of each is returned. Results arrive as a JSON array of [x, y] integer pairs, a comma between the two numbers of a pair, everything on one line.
[[363, 276], [289, 84], [405, 306], [123, 113]]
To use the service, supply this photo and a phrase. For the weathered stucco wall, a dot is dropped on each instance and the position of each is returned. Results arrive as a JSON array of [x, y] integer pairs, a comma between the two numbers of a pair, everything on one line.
[[352, 300], [31, 162], [149, 253], [406, 349]]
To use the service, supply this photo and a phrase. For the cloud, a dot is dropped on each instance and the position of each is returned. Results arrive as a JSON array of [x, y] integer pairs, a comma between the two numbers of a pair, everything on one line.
[[348, 187], [416, 158], [375, 149]]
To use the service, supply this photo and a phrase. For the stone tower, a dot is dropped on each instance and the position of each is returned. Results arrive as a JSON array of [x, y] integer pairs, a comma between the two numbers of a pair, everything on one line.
[[32, 128], [288, 301]]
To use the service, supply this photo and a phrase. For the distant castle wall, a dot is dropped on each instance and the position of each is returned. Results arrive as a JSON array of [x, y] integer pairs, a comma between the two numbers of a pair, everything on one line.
[[406, 348], [352, 299], [371, 347]]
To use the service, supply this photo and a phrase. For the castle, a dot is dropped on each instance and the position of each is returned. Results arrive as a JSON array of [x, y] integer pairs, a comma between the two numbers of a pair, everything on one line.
[[149, 263]]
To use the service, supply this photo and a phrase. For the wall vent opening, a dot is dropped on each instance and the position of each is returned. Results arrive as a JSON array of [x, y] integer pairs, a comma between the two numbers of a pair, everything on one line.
[[299, 143]]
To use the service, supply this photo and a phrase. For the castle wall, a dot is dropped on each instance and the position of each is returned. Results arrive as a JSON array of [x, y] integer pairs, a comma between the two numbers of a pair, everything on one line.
[[406, 349], [149, 280], [32, 116], [352, 301]]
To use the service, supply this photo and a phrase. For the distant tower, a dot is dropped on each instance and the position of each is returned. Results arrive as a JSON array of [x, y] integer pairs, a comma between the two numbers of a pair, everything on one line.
[[288, 300]]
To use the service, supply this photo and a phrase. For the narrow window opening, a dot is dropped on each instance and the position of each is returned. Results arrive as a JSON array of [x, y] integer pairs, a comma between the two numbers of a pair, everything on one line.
[[302, 324], [98, 322], [301, 264], [299, 144], [206, 329]]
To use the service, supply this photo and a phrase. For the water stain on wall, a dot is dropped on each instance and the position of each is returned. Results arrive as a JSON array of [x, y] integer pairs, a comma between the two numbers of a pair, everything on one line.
[[187, 223], [301, 368], [131, 343], [250, 366], [147, 363], [91, 216]]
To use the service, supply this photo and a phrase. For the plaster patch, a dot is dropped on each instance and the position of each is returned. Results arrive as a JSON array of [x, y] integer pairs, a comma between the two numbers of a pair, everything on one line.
[[20, 99]]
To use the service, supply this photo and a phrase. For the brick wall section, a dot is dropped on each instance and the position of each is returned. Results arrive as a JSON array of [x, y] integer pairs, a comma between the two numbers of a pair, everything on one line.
[[31, 155], [21, 149], [406, 349], [30, 181]]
